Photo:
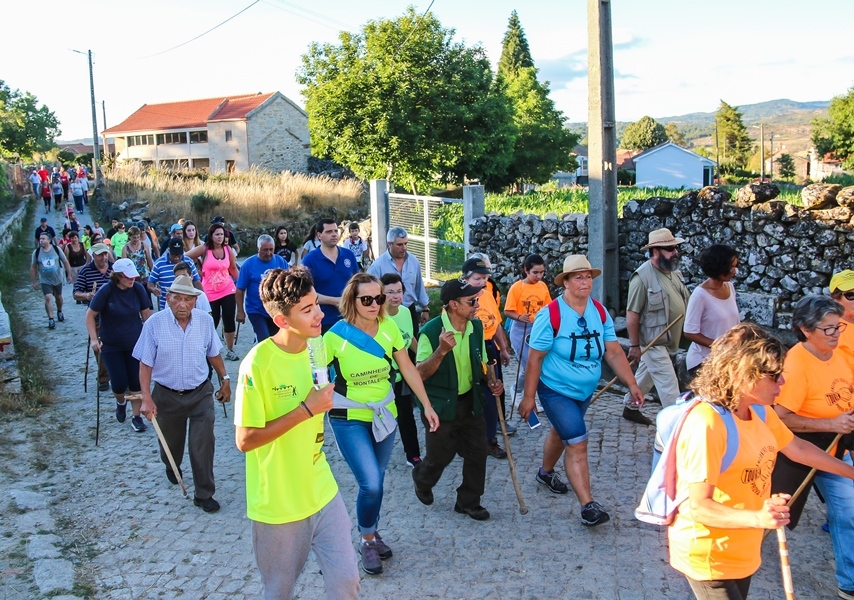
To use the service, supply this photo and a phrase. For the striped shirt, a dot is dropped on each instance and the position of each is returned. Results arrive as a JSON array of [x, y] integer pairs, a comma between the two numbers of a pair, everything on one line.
[[162, 274], [177, 356], [89, 274]]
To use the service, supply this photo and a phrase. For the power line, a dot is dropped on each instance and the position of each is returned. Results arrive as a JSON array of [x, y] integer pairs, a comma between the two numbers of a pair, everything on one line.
[[414, 28], [203, 34], [317, 14], [316, 22]]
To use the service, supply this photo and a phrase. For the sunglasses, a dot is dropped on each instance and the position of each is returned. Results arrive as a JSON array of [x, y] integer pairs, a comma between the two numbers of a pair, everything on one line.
[[775, 376], [470, 301], [668, 248], [833, 330], [368, 300], [849, 295]]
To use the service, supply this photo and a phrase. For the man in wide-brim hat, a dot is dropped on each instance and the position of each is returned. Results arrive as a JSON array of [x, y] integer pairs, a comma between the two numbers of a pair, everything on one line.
[[657, 296]]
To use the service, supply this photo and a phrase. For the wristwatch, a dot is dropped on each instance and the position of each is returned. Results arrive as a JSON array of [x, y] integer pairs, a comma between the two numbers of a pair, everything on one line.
[[225, 377]]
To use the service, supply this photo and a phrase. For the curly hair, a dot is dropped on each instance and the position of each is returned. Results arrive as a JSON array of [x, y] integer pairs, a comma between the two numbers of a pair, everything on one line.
[[347, 305], [282, 289], [739, 358], [716, 260]]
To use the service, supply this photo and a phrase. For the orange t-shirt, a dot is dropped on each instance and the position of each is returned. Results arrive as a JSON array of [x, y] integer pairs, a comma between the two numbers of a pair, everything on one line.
[[815, 388], [846, 344], [488, 310], [524, 297], [712, 553]]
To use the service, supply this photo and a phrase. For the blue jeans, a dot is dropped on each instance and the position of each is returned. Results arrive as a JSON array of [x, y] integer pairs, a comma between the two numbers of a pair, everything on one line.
[[78, 204], [368, 460], [263, 326], [565, 414], [838, 492]]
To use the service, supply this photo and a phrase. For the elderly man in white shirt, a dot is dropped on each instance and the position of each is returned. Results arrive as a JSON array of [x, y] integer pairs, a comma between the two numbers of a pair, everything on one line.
[[173, 350]]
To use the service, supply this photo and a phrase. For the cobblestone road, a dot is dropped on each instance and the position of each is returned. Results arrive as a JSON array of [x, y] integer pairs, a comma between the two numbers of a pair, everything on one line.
[[130, 534]]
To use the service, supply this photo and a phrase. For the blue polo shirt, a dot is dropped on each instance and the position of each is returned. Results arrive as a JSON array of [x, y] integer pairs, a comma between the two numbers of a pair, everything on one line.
[[252, 271], [331, 277], [573, 363]]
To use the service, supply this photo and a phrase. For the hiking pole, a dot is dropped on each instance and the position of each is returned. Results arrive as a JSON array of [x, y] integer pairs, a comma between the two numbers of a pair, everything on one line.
[[519, 367], [650, 345], [86, 370], [169, 456], [237, 333], [97, 398], [511, 463], [785, 565]]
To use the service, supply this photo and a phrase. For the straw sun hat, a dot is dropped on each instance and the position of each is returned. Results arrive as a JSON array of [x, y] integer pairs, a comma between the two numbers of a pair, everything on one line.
[[575, 263]]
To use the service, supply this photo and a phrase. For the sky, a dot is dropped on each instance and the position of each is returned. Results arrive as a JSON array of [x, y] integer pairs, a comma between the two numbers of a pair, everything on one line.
[[671, 57]]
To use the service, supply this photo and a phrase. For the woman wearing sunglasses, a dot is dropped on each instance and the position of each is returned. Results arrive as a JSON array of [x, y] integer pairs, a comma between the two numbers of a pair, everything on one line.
[[564, 368], [361, 347], [816, 402], [842, 290]]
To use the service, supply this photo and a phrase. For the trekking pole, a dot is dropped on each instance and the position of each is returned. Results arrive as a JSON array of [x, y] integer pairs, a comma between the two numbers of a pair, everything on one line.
[[785, 565], [650, 345], [86, 370], [519, 367], [97, 400], [169, 456], [510, 462], [237, 333]]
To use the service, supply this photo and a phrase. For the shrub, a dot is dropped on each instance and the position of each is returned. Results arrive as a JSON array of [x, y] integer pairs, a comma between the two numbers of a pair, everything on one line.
[[626, 177], [203, 202], [844, 180]]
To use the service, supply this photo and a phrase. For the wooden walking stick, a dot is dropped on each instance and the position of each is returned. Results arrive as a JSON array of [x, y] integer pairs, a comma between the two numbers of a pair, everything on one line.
[[169, 456], [650, 345], [522, 508], [785, 565]]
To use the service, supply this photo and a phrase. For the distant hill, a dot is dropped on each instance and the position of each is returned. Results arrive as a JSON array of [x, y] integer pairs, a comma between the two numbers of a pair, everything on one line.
[[785, 118]]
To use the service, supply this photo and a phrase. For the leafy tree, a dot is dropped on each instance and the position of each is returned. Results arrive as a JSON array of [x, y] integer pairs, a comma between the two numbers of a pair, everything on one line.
[[786, 166], [643, 134], [25, 127], [674, 135], [734, 145], [401, 100], [66, 157], [542, 144], [836, 132], [515, 52]]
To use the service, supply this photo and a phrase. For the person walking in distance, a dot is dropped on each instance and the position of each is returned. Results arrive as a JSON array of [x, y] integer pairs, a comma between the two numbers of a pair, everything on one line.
[[44, 228], [122, 305], [35, 182], [248, 284], [76, 254], [451, 360], [397, 259], [76, 189], [525, 298], [47, 196], [355, 244], [173, 350], [657, 297], [564, 367], [292, 498], [47, 266]]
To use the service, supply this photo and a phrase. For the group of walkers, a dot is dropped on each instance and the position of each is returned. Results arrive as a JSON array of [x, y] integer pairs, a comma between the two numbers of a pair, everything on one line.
[[58, 184], [327, 312]]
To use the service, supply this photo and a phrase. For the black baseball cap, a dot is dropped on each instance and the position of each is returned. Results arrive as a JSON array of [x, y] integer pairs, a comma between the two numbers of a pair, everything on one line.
[[176, 246], [217, 219], [456, 288], [476, 265]]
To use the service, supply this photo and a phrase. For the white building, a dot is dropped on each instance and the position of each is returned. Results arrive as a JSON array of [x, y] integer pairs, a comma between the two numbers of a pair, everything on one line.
[[221, 135], [671, 166]]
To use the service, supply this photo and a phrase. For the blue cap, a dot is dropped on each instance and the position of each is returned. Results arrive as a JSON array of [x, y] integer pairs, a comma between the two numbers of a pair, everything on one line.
[[175, 228]]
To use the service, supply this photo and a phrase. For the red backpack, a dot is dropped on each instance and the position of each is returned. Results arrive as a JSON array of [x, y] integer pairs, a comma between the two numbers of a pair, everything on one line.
[[554, 314]]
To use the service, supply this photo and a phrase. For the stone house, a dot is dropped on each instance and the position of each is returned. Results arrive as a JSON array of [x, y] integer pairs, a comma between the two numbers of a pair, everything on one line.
[[671, 166], [220, 135]]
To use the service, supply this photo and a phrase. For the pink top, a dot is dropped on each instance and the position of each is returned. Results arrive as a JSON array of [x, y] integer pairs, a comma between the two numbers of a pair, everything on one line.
[[216, 280], [710, 316]]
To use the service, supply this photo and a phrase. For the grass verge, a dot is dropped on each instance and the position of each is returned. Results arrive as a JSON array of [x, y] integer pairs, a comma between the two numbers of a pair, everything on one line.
[[14, 274]]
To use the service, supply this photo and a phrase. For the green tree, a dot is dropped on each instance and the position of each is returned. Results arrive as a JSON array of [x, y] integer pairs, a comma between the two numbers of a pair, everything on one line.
[[643, 134], [674, 135], [401, 100], [66, 157], [25, 127], [734, 145], [542, 143], [786, 166], [836, 132]]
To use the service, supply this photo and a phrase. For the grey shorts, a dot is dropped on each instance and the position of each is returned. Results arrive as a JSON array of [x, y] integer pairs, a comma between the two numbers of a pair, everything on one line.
[[56, 290]]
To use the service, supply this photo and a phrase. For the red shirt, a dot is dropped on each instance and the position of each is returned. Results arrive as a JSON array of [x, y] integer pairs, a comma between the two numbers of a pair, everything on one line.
[[44, 175]]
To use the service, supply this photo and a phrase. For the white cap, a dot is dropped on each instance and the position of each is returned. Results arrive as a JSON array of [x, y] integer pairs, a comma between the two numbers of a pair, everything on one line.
[[126, 267]]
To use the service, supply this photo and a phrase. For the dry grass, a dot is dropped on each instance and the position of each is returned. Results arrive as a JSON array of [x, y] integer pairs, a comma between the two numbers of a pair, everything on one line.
[[254, 198]]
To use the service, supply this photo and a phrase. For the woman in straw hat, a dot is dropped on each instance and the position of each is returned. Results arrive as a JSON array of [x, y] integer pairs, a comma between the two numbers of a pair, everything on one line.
[[564, 367]]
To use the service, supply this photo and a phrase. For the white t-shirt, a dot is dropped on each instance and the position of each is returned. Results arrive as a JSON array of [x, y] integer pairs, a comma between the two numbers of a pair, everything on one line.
[[710, 316], [202, 303]]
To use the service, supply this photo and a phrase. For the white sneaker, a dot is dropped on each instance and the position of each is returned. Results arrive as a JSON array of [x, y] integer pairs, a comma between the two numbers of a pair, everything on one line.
[[231, 355]]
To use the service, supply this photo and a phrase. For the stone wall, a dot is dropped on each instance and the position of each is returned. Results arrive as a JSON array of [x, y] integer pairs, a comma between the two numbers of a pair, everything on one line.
[[278, 137], [785, 251]]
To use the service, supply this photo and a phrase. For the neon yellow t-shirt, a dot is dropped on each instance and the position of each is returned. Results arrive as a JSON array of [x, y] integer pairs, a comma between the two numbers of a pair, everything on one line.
[[288, 479], [403, 319], [360, 376], [462, 357], [711, 553]]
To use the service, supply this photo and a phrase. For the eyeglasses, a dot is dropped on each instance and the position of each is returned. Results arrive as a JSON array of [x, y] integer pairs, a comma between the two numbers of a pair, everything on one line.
[[470, 301], [668, 248], [368, 300], [833, 330], [849, 295]]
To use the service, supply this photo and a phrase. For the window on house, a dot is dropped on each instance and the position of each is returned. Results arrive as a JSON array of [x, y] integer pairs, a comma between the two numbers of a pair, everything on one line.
[[172, 138], [228, 135], [198, 137], [141, 140], [201, 163]]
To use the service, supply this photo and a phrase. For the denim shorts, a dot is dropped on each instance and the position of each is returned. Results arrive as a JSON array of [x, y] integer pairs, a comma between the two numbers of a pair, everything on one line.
[[565, 414]]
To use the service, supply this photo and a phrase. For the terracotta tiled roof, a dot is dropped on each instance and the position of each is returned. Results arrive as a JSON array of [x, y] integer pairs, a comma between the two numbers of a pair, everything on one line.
[[189, 113]]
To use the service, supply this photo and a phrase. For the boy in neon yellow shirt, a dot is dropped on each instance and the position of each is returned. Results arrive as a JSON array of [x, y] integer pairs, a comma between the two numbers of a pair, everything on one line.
[[291, 495]]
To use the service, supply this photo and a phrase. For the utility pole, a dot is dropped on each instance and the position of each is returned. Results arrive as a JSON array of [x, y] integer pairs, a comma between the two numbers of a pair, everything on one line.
[[104, 115], [762, 152], [603, 247], [96, 151], [771, 169]]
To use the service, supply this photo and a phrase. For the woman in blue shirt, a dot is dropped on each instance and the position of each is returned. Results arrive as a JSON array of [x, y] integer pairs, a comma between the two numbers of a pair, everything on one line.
[[564, 368]]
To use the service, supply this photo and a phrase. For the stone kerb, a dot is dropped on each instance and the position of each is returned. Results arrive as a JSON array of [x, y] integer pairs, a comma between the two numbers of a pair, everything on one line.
[[9, 376]]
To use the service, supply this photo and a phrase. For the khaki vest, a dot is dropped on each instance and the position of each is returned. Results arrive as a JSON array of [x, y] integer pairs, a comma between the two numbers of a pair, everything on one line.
[[656, 315]]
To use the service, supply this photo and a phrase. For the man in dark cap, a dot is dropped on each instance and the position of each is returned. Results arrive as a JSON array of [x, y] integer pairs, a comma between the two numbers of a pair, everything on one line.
[[163, 274], [450, 359]]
